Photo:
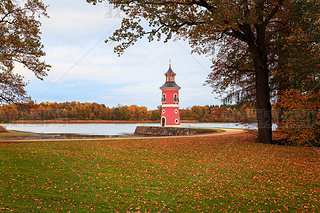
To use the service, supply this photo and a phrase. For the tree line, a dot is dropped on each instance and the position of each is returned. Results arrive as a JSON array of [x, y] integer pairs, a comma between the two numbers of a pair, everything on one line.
[[93, 111]]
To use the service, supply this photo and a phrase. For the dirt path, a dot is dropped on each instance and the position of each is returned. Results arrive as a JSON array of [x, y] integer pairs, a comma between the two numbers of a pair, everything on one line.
[[225, 132]]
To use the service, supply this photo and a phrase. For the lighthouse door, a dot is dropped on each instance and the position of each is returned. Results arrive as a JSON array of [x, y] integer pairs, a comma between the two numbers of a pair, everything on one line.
[[163, 123]]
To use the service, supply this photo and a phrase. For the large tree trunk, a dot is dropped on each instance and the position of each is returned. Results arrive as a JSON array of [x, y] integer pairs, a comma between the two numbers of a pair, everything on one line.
[[263, 107], [257, 47]]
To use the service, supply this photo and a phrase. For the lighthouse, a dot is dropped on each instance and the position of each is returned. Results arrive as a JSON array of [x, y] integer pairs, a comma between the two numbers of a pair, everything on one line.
[[170, 100]]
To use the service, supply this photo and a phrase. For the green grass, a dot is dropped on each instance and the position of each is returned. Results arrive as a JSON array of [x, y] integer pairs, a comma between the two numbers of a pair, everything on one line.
[[223, 173], [11, 134]]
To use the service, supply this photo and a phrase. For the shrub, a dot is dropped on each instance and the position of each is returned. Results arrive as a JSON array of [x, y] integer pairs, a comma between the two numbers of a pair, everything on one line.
[[3, 129], [301, 118]]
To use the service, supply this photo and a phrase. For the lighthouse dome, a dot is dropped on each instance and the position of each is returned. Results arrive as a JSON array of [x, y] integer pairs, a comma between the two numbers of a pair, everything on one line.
[[170, 72], [170, 83]]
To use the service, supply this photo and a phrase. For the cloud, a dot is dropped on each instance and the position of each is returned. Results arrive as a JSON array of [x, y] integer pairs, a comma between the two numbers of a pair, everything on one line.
[[86, 69]]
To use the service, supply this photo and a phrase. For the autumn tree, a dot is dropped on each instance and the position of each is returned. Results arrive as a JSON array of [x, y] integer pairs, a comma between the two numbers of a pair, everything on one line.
[[301, 117], [296, 76], [20, 43], [243, 30]]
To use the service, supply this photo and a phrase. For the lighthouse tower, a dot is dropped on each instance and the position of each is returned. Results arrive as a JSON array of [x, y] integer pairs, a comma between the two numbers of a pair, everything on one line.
[[170, 100]]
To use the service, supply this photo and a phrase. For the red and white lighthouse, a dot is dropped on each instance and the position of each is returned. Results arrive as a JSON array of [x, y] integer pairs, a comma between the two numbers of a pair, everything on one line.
[[170, 100]]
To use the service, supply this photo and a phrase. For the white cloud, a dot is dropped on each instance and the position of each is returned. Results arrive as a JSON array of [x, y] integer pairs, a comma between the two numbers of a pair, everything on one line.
[[85, 68]]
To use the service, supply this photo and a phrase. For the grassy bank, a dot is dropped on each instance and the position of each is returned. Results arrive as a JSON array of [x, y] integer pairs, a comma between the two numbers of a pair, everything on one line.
[[222, 173], [11, 134]]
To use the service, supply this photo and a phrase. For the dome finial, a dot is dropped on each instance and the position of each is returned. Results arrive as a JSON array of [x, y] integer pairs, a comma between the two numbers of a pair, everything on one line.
[[170, 63]]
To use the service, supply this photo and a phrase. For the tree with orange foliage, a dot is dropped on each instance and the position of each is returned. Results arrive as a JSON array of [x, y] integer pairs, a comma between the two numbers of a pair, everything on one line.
[[20, 43], [243, 31], [301, 119]]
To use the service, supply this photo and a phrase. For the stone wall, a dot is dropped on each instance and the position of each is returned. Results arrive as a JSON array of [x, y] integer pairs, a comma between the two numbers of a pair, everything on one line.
[[170, 131]]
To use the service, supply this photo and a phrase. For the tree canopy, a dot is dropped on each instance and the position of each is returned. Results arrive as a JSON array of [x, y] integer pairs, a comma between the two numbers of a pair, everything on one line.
[[249, 38], [20, 43]]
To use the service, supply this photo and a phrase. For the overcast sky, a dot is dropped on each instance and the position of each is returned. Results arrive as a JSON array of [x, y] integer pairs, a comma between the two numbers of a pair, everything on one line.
[[86, 69]]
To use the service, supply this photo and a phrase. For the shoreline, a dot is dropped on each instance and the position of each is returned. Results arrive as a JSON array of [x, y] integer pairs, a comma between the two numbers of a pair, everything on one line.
[[220, 132]]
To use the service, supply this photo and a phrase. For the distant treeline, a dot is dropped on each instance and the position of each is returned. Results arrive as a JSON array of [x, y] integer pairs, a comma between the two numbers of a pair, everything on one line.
[[92, 111]]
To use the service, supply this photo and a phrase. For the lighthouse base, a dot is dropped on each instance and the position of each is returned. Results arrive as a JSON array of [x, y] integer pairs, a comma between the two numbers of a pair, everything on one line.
[[172, 126], [170, 131]]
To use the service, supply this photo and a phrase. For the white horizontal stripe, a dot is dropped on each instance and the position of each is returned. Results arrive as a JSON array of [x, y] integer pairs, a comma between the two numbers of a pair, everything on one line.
[[170, 105]]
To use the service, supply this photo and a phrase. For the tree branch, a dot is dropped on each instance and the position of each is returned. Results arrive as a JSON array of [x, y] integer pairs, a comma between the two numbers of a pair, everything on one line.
[[201, 3], [249, 72], [273, 12], [5, 16]]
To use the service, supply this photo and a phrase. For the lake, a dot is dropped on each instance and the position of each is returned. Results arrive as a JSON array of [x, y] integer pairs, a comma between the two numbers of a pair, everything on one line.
[[105, 128]]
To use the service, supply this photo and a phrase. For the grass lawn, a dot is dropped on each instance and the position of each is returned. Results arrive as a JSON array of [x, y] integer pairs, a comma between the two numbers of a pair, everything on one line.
[[9, 134], [205, 174]]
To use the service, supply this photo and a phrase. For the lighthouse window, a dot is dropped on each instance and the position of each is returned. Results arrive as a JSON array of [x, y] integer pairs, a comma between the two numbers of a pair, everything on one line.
[[176, 111], [163, 111], [163, 98], [176, 121], [175, 98]]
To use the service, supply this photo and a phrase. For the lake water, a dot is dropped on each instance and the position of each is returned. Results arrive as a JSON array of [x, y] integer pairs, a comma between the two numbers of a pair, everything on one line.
[[105, 128]]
